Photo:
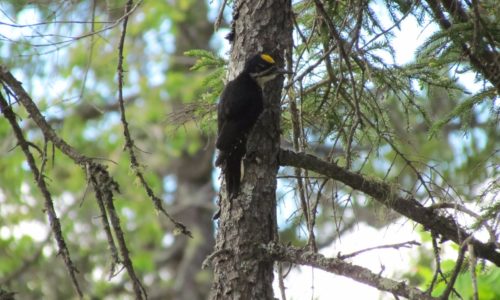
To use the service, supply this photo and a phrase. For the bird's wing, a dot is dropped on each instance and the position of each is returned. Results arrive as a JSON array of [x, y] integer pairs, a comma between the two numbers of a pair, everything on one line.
[[228, 136], [237, 99], [235, 112]]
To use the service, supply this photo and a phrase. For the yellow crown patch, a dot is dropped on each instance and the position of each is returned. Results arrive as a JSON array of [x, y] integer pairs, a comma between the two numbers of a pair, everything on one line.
[[267, 58]]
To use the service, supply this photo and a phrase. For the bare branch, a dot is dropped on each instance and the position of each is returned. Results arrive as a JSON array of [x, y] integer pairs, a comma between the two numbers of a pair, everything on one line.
[[473, 265], [105, 187], [104, 182], [35, 114], [104, 220], [281, 281], [394, 246], [469, 212], [340, 267], [485, 61], [456, 271], [129, 142], [55, 225], [70, 39], [392, 197]]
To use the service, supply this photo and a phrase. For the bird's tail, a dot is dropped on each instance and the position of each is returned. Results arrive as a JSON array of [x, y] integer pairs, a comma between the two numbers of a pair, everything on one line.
[[232, 172], [231, 166]]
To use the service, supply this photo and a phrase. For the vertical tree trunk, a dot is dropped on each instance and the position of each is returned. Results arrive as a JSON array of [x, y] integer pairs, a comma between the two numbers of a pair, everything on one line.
[[250, 220]]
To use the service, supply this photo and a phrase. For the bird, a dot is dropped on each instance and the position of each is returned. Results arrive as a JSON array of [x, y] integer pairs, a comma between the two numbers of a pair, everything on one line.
[[239, 107]]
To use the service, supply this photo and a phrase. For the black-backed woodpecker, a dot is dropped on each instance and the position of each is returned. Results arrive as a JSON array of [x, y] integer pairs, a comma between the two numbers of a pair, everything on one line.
[[240, 105]]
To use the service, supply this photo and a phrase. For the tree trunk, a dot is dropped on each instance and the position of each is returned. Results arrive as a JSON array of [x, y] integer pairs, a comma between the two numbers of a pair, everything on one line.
[[249, 220]]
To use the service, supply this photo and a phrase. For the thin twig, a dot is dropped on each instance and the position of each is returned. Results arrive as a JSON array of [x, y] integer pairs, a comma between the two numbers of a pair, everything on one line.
[[473, 264], [394, 246], [129, 142], [106, 183], [465, 210], [104, 220], [90, 52], [437, 257], [88, 34], [220, 16], [55, 225], [392, 197], [458, 266], [15, 87], [309, 69], [342, 268], [139, 290], [53, 22], [281, 281], [298, 146]]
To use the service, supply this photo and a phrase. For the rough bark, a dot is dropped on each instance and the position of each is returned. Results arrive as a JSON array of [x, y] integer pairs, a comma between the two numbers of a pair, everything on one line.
[[241, 271]]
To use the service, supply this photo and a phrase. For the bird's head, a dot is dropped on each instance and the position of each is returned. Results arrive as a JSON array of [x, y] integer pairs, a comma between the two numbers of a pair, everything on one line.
[[262, 68]]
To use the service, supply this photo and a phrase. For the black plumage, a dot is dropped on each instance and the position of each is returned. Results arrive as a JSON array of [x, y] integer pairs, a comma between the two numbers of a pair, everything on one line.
[[240, 105]]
